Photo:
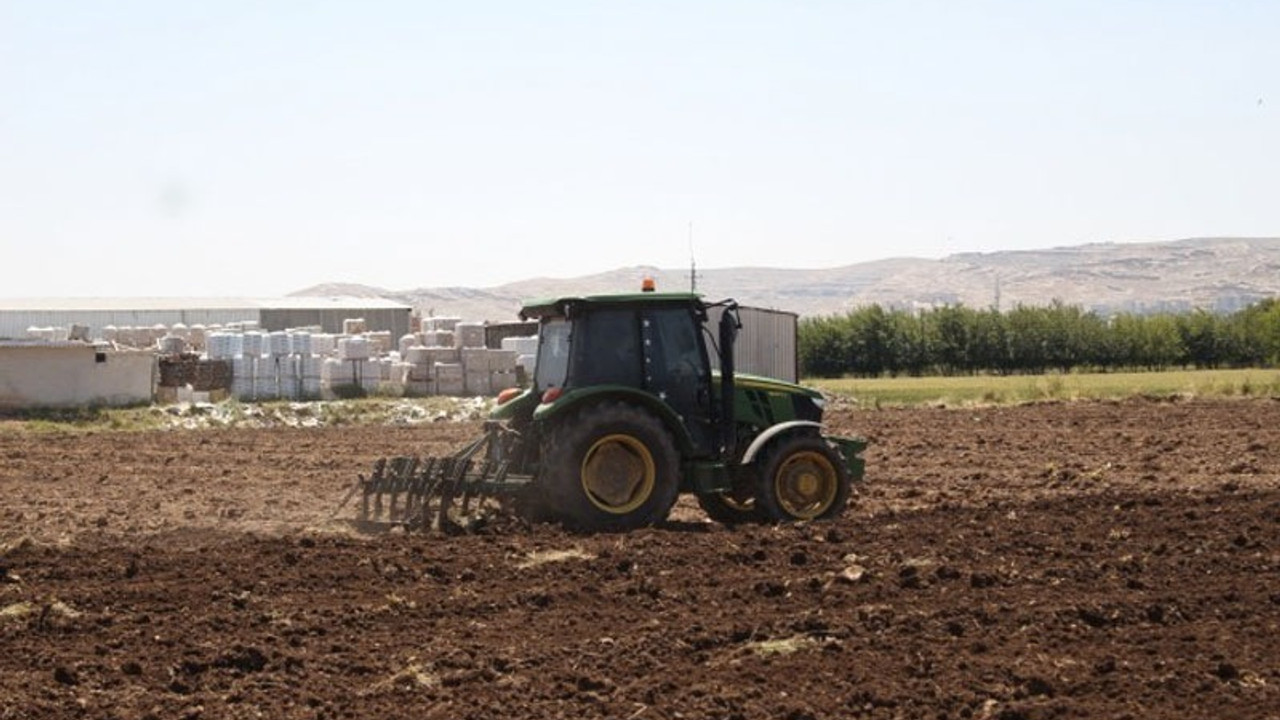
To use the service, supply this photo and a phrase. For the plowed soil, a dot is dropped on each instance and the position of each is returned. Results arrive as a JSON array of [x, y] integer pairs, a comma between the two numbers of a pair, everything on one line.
[[1091, 560]]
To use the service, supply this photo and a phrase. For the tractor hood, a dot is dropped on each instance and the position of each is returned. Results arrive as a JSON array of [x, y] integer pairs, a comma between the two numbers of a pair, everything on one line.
[[767, 384]]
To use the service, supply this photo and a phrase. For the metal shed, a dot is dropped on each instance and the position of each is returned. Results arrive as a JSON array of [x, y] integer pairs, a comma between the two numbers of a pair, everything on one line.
[[767, 343], [16, 315]]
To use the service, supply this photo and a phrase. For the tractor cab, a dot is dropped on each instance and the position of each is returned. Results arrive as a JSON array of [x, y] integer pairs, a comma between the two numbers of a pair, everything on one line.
[[648, 344]]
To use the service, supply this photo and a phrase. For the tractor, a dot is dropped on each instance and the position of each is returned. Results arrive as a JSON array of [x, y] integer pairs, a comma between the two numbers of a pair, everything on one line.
[[624, 412]]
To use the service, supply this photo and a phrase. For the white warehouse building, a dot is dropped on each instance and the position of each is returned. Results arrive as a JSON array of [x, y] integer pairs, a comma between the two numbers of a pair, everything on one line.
[[19, 314]]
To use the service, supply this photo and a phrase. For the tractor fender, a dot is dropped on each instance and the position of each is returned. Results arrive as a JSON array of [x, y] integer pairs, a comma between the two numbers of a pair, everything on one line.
[[571, 399], [772, 432]]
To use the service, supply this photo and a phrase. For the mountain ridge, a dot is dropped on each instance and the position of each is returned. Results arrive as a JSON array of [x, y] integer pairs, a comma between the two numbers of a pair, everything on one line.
[[1218, 273]]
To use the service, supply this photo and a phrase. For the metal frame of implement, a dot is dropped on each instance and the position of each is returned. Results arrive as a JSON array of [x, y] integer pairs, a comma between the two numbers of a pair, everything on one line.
[[402, 490]]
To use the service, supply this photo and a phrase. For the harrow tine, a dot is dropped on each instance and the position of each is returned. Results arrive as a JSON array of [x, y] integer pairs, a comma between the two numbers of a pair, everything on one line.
[[427, 485], [400, 481], [448, 488], [469, 487], [378, 487], [391, 490], [370, 487], [387, 493], [406, 483], [413, 491]]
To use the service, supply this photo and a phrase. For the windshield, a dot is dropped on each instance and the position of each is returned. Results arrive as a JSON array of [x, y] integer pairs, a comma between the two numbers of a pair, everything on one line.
[[553, 354]]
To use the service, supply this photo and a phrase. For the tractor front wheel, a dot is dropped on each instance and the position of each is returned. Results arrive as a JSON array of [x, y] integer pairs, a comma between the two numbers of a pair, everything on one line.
[[609, 468], [802, 478]]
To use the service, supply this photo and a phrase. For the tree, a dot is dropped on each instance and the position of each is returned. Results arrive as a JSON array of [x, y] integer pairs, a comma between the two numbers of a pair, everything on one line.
[[953, 339], [823, 346]]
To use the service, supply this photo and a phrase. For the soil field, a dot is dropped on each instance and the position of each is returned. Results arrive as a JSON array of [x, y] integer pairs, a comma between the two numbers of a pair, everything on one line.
[[1087, 560]]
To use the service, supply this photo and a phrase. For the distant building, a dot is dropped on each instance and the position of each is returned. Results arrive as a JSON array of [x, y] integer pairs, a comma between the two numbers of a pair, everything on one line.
[[16, 315], [73, 374]]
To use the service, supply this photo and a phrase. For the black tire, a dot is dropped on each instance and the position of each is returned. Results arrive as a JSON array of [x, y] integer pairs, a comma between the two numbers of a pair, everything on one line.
[[728, 508], [609, 468], [802, 478]]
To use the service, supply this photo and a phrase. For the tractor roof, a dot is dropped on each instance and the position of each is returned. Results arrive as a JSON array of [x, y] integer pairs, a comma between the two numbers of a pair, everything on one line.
[[558, 306]]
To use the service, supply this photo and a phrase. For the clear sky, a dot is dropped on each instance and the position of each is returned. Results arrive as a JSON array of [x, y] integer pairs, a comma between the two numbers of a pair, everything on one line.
[[239, 147]]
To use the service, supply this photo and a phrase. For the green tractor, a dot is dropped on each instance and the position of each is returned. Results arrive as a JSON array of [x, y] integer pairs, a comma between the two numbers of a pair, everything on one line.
[[626, 411]]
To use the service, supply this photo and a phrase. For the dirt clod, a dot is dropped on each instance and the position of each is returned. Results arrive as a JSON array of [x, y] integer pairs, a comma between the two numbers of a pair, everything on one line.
[[65, 675]]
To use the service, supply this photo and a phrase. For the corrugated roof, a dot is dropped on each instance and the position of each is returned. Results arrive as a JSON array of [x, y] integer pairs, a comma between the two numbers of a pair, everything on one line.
[[64, 304], [41, 344]]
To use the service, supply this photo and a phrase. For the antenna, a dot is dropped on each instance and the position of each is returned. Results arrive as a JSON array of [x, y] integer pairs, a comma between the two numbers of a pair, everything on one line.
[[693, 264]]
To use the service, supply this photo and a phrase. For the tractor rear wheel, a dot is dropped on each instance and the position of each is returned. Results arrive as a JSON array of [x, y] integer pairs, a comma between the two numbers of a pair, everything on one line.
[[609, 468], [802, 478]]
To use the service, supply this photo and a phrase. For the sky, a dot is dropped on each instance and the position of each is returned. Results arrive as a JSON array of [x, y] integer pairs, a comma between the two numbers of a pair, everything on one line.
[[159, 148]]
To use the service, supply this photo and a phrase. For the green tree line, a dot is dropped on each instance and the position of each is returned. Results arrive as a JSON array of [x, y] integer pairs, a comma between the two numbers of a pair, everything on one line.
[[956, 340]]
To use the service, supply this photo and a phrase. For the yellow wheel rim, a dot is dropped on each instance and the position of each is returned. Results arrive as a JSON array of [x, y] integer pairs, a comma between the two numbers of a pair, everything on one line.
[[806, 484], [618, 473]]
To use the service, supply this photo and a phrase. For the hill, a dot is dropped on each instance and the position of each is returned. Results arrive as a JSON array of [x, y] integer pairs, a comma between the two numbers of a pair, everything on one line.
[[1220, 274]]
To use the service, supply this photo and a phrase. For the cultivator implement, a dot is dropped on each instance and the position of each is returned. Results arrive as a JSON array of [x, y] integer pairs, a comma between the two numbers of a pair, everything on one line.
[[446, 494]]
